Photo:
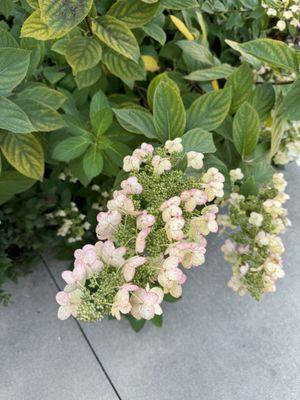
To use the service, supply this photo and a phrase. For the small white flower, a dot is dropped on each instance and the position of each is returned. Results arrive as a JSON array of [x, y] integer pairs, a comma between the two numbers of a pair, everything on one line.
[[174, 146], [160, 165], [62, 176], [131, 163], [256, 219], [279, 182], [236, 174], [195, 159], [244, 269], [271, 12], [295, 22], [281, 25], [86, 226], [288, 14], [96, 188]]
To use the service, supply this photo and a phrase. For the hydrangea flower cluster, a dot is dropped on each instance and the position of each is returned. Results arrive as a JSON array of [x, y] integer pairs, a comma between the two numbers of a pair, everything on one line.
[[254, 248], [71, 223], [153, 229], [287, 12], [289, 146]]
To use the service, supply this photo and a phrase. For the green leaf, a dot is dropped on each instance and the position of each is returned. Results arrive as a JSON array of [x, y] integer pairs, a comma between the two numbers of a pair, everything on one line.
[[76, 168], [101, 115], [7, 39], [92, 162], [102, 120], [13, 118], [70, 148], [241, 83], [35, 27], [261, 171], [209, 74], [98, 103], [197, 52], [209, 110], [250, 187], [156, 32], [123, 67], [168, 112], [198, 140], [64, 15], [83, 52], [179, 4], [275, 53], [136, 324], [43, 94], [25, 153], [263, 99], [117, 151], [42, 117], [133, 13], [116, 35], [6, 7], [181, 164], [11, 183], [157, 320], [13, 68], [164, 77], [291, 102], [136, 121], [88, 77], [247, 57], [169, 298], [277, 132], [245, 129]]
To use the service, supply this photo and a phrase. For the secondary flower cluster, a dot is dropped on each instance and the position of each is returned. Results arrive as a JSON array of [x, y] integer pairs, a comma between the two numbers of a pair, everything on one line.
[[287, 12], [290, 145], [254, 248], [154, 228], [71, 223]]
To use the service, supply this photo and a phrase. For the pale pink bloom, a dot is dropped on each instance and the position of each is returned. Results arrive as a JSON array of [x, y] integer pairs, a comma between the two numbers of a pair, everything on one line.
[[204, 224], [146, 302], [69, 302], [75, 278], [131, 163], [170, 208], [174, 146], [174, 228], [171, 277], [160, 165], [121, 301], [229, 249], [243, 249], [190, 253], [130, 266], [193, 198], [87, 258], [109, 254], [140, 243], [121, 202], [195, 159], [145, 220], [131, 186], [144, 151], [107, 224], [213, 183]]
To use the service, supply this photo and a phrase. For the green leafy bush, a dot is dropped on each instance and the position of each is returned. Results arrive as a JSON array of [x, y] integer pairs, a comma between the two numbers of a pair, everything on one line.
[[83, 83]]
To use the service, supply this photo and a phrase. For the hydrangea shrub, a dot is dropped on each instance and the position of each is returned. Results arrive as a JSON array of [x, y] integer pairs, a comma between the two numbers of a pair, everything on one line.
[[155, 227], [254, 247]]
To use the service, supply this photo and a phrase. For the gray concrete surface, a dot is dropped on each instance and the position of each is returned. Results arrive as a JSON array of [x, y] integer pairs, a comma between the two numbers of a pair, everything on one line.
[[214, 345]]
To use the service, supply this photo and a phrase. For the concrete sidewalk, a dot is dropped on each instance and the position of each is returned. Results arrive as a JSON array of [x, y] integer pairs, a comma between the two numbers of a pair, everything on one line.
[[214, 345]]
